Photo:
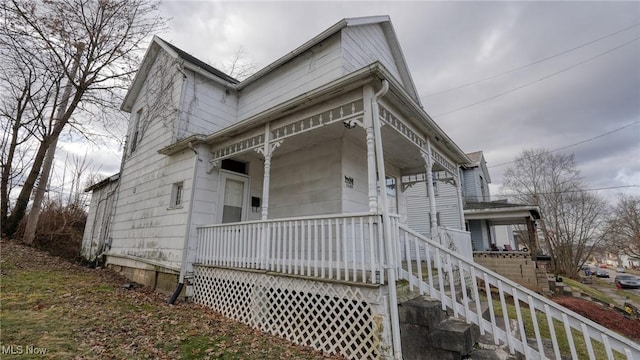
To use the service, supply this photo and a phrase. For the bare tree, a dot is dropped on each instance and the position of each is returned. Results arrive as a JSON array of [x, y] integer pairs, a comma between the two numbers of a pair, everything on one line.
[[240, 67], [26, 89], [92, 47], [573, 220], [624, 226]]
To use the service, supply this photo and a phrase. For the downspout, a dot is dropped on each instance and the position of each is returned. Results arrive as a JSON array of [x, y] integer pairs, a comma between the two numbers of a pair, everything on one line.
[[386, 221], [187, 236], [185, 248], [183, 91], [116, 190]]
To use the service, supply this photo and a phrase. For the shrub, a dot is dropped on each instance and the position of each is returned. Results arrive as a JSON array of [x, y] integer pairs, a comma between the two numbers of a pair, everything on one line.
[[59, 231]]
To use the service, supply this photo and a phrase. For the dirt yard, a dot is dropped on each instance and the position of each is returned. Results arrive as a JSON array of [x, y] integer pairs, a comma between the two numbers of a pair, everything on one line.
[[51, 308]]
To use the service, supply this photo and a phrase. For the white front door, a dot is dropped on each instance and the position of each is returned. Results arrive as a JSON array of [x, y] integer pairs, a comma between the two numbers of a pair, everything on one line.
[[234, 197]]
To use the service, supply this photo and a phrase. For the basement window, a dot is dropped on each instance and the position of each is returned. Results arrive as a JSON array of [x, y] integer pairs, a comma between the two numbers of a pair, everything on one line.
[[176, 195]]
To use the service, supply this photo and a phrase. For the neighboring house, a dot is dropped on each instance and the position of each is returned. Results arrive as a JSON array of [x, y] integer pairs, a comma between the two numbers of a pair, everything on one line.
[[492, 224], [280, 200]]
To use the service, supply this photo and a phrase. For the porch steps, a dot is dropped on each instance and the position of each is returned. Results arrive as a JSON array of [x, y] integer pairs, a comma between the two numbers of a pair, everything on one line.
[[428, 332]]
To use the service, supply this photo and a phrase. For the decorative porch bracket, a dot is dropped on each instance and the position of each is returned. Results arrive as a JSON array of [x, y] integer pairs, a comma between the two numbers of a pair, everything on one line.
[[387, 117]]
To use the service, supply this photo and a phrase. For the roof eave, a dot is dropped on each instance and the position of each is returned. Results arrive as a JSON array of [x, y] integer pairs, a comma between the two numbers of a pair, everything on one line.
[[183, 144], [103, 182]]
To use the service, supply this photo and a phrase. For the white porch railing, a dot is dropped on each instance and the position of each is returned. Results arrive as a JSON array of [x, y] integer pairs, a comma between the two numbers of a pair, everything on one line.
[[338, 247], [455, 281], [458, 241]]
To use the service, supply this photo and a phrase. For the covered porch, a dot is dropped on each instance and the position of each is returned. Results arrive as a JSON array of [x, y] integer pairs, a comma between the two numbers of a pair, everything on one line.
[[333, 173]]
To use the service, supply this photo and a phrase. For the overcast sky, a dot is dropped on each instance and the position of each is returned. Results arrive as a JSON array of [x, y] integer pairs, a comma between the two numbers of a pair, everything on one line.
[[576, 77]]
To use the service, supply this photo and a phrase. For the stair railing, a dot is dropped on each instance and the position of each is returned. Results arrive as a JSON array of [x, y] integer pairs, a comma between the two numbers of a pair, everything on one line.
[[508, 311]]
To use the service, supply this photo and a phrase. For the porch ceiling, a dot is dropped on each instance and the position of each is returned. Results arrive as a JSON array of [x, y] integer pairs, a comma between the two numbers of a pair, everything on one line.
[[397, 150], [403, 154]]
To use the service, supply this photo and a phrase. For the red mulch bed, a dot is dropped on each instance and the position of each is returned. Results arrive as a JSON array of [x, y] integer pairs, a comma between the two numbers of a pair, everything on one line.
[[607, 317]]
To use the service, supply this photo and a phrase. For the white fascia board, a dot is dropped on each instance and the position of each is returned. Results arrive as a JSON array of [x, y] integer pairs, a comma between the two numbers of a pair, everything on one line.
[[511, 212]]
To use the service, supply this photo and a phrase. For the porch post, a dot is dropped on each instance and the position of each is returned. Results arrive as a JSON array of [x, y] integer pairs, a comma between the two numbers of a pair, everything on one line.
[[533, 240], [371, 156], [433, 220], [460, 202], [266, 152]]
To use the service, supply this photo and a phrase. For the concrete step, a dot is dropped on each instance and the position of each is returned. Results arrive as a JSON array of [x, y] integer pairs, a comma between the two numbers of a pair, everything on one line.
[[422, 310], [455, 335]]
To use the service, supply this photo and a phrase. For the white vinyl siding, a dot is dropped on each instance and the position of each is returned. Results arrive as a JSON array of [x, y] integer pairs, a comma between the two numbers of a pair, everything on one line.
[[354, 166], [306, 182], [311, 69], [418, 207], [207, 106], [365, 44]]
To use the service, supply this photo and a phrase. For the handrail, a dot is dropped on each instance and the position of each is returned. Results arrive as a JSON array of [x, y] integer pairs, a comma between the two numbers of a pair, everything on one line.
[[310, 217], [453, 269]]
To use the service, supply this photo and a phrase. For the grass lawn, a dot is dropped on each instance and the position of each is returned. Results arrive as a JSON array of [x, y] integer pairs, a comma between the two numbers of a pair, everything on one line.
[[561, 335], [68, 311]]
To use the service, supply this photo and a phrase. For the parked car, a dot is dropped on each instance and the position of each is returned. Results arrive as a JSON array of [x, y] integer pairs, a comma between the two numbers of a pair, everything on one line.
[[602, 273], [620, 269], [603, 266], [627, 281]]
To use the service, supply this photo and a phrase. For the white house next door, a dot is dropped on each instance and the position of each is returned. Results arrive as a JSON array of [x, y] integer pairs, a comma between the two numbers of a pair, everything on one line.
[[235, 190]]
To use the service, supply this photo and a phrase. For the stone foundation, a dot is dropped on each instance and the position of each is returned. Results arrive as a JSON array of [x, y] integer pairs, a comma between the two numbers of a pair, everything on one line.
[[515, 265]]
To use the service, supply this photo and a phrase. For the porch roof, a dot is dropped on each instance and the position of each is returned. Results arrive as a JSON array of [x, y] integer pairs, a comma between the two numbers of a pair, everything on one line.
[[412, 112], [500, 213]]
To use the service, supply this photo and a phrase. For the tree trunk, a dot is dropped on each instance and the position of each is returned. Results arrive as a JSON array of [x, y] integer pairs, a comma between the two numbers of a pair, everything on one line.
[[6, 172], [34, 214], [23, 198]]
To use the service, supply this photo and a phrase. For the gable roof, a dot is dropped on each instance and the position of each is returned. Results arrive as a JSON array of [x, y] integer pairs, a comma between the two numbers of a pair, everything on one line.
[[475, 157], [190, 62], [192, 59], [477, 160]]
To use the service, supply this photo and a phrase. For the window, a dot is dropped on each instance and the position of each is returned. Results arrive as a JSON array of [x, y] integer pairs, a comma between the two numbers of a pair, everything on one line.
[[176, 195], [135, 135], [435, 187], [392, 194], [235, 166]]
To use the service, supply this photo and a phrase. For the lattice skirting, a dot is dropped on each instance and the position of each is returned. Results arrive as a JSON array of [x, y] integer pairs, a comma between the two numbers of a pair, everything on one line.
[[336, 318]]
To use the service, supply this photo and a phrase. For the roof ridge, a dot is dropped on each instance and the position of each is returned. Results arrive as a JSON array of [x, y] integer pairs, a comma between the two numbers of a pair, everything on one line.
[[194, 60]]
